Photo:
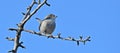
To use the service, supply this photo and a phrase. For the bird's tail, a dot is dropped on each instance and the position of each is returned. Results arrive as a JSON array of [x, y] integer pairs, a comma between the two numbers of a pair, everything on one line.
[[39, 20]]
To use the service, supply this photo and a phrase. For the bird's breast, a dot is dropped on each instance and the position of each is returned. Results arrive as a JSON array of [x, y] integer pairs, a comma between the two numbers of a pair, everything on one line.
[[48, 26]]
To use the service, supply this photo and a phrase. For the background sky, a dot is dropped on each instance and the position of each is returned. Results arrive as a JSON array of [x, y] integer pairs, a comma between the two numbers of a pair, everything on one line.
[[99, 19]]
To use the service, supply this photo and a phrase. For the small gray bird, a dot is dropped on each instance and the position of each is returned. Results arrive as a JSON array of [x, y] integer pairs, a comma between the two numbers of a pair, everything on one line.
[[48, 24]]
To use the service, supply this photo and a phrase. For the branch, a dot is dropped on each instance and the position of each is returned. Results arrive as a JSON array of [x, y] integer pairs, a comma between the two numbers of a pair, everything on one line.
[[13, 29], [26, 17], [58, 36]]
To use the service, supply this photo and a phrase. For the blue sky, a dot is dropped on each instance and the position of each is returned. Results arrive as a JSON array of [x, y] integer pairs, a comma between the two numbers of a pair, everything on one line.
[[99, 19]]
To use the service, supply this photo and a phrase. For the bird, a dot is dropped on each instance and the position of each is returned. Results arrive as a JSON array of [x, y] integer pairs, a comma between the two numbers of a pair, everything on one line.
[[47, 25]]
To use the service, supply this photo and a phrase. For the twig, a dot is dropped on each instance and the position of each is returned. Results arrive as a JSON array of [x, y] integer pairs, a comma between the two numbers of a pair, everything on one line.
[[10, 39], [13, 29]]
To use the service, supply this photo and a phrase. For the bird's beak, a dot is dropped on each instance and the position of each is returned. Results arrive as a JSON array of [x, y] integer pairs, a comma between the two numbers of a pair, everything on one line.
[[56, 16]]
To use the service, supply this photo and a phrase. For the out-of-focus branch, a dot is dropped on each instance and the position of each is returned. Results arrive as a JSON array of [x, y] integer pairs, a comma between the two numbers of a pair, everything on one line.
[[26, 17], [58, 36]]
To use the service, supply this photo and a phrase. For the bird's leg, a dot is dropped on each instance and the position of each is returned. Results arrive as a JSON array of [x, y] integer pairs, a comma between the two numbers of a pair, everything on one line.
[[50, 36]]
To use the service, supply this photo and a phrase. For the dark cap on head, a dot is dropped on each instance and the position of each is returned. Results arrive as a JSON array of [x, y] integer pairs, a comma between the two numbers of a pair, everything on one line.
[[50, 16]]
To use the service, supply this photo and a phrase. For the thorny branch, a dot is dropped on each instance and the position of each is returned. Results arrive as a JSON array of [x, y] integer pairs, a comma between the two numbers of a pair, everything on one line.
[[58, 36], [26, 17]]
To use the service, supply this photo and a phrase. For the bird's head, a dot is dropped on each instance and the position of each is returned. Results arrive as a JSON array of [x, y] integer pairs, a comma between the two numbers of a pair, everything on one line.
[[51, 16]]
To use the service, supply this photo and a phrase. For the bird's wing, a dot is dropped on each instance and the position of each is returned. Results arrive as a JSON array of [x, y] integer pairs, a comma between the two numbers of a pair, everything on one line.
[[51, 27], [40, 25]]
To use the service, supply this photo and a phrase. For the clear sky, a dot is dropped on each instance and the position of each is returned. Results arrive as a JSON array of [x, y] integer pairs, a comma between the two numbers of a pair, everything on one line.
[[99, 19]]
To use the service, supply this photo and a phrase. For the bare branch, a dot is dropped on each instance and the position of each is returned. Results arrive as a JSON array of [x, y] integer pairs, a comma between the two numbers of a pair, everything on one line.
[[26, 17], [58, 36], [30, 31], [28, 10]]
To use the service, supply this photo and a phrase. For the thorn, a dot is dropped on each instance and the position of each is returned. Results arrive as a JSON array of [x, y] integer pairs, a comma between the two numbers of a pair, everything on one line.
[[10, 39], [81, 37], [84, 42], [21, 42], [70, 37], [73, 39], [47, 4], [51, 37], [77, 43], [28, 8], [7, 38], [88, 38], [22, 46], [23, 13], [59, 36], [33, 32], [18, 24], [11, 51], [35, 2]]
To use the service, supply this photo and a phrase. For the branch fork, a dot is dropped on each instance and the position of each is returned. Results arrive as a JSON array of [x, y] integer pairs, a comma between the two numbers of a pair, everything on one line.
[[26, 17]]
